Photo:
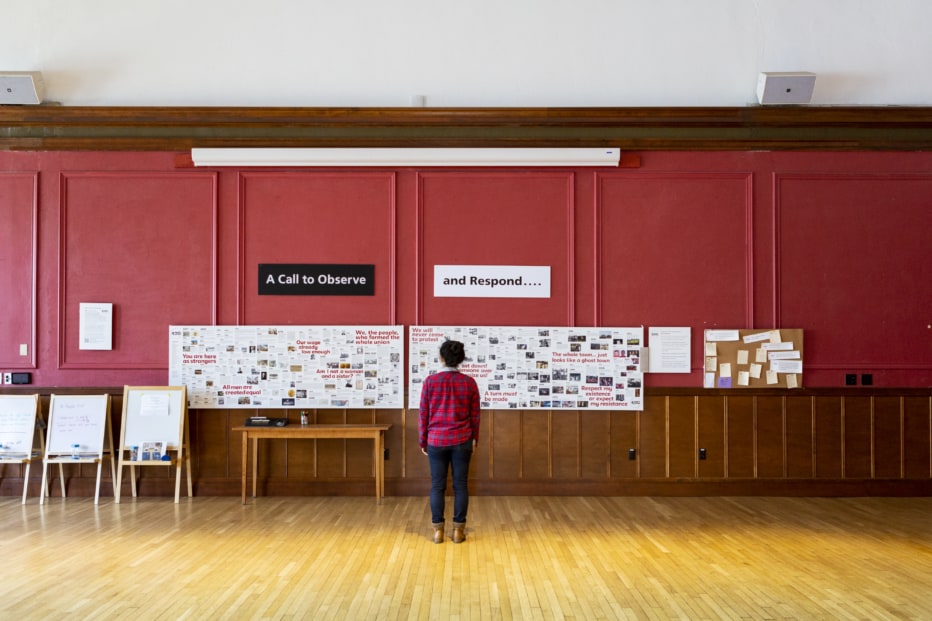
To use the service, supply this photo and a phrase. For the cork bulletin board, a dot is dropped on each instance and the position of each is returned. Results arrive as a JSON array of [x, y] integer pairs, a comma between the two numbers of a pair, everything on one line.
[[771, 358]]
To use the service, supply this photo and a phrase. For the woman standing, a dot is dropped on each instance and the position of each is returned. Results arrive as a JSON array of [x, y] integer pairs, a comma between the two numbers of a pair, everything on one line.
[[448, 427]]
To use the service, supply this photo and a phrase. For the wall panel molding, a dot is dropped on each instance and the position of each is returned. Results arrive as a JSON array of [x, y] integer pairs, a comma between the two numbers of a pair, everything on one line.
[[840, 128]]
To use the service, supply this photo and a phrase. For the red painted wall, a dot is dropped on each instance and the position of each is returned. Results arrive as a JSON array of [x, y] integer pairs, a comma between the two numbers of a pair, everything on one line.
[[834, 243]]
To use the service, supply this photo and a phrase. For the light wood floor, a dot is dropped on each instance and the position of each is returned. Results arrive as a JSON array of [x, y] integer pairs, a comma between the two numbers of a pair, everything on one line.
[[525, 558]]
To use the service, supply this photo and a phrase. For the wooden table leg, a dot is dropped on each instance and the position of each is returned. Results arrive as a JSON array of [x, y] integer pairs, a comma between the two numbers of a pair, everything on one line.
[[255, 465], [376, 460], [245, 463], [381, 466]]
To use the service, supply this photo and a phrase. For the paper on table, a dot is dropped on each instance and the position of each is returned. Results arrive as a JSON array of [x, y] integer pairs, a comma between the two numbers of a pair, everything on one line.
[[772, 377], [755, 371], [742, 356], [743, 378], [791, 381], [724, 369]]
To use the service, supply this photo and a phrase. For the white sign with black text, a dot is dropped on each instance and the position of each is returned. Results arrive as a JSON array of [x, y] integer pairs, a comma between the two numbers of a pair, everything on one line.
[[492, 281]]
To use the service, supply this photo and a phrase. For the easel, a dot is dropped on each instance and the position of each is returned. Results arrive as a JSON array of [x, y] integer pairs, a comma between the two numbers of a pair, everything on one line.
[[18, 415], [154, 414], [79, 432]]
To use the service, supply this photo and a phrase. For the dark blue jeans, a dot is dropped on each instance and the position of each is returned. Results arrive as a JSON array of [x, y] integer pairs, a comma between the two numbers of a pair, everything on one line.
[[442, 459]]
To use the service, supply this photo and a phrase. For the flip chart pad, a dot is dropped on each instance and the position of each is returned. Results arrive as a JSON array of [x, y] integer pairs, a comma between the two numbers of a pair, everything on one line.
[[77, 419], [153, 414], [17, 423]]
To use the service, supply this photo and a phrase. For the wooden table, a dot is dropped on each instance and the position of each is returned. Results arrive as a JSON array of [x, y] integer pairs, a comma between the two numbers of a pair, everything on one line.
[[376, 433]]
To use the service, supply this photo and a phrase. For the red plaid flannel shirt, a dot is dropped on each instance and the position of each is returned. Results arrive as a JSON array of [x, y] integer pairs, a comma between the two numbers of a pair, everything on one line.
[[449, 412]]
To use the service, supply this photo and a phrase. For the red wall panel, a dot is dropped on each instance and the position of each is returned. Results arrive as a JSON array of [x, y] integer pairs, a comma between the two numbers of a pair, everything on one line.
[[674, 250], [318, 218], [489, 218], [145, 242], [18, 205], [854, 270]]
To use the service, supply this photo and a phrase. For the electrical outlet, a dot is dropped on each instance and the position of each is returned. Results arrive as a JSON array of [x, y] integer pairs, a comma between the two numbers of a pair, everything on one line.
[[386, 455], [702, 453], [7, 378], [851, 379], [632, 454]]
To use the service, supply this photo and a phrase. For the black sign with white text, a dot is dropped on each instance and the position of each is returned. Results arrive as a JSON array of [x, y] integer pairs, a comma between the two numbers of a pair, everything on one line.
[[305, 279]]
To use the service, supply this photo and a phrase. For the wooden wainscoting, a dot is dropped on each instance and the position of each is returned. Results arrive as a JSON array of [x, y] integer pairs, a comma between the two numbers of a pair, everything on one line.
[[811, 442]]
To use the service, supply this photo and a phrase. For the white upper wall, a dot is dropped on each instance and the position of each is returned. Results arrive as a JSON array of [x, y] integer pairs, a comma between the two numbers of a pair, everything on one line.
[[484, 53]]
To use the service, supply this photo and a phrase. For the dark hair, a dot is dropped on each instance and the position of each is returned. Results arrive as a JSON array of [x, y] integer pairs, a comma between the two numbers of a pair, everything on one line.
[[453, 353]]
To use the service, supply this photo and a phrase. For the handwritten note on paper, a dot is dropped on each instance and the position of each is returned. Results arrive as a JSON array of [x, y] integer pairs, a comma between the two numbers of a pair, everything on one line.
[[721, 335], [786, 366], [742, 356], [755, 371], [743, 378], [758, 337], [154, 404], [17, 421], [711, 363], [791, 381], [772, 377], [760, 355], [710, 349], [724, 369]]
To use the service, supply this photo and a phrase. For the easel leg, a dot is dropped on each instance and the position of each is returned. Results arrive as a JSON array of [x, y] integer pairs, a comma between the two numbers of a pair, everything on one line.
[[178, 478], [118, 484], [45, 482], [113, 475], [100, 467], [26, 481], [61, 479]]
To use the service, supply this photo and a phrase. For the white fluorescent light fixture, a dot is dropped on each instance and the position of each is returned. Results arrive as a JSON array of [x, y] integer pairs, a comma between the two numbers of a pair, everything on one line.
[[406, 157]]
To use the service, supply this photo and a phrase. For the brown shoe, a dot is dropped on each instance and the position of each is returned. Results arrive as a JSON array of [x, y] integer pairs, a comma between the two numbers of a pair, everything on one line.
[[459, 533], [438, 532]]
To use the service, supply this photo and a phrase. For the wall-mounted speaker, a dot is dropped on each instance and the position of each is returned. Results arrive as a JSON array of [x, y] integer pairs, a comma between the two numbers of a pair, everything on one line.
[[21, 87], [785, 87]]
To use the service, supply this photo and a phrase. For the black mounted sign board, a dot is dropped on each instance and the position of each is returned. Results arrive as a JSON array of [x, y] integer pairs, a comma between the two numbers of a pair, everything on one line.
[[316, 279]]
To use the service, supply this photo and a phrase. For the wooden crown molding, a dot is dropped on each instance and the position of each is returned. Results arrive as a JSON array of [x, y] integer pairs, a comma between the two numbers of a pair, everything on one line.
[[849, 128]]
